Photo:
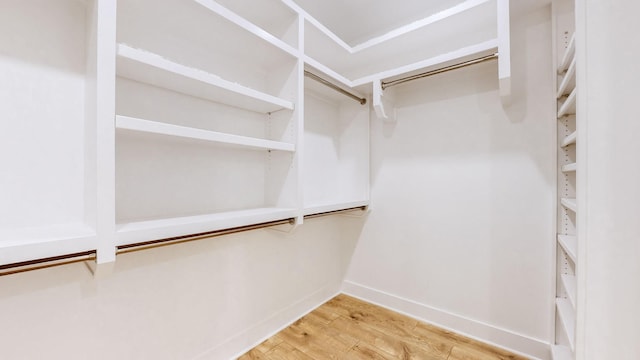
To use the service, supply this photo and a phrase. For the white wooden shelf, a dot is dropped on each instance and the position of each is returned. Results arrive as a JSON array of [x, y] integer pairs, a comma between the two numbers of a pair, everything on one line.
[[154, 127], [322, 208], [560, 352], [568, 83], [568, 318], [569, 284], [139, 231], [22, 244], [247, 26], [570, 139], [570, 204], [569, 244], [153, 69], [569, 167], [568, 107], [568, 55]]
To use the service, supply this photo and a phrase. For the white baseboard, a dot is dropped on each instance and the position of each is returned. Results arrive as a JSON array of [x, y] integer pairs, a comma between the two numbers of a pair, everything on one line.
[[240, 343], [503, 338]]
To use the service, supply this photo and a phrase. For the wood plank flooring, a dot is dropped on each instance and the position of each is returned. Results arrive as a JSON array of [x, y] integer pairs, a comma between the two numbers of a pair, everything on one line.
[[351, 329]]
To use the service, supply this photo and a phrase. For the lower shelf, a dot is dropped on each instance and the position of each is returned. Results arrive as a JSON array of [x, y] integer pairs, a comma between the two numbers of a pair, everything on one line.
[[134, 232], [17, 245], [559, 352]]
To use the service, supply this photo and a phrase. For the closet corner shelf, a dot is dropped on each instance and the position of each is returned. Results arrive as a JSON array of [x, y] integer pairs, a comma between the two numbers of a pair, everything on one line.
[[568, 107], [569, 167], [560, 352], [568, 83], [247, 26], [570, 287], [143, 66], [154, 127], [133, 232], [568, 55], [569, 244], [570, 204], [328, 207], [570, 139], [567, 318]]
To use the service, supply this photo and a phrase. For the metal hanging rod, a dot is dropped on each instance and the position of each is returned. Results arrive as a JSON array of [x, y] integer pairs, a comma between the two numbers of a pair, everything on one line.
[[317, 78], [19, 267], [123, 249], [386, 84], [326, 213]]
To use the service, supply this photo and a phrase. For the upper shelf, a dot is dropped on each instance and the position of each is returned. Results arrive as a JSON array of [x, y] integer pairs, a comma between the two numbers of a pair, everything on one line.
[[147, 67], [570, 139], [154, 127], [568, 55]]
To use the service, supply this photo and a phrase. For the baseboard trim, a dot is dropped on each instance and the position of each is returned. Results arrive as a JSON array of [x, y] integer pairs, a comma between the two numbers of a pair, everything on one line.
[[503, 338], [240, 343]]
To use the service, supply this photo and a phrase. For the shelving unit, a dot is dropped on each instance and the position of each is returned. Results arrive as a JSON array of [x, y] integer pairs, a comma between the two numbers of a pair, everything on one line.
[[563, 13], [47, 142]]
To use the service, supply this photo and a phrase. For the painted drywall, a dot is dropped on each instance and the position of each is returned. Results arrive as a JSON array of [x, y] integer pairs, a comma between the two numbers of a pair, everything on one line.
[[608, 175], [462, 225], [208, 299]]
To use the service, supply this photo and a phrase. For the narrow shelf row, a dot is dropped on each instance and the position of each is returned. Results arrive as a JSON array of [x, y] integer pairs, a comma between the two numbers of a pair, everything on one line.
[[568, 55], [569, 244], [569, 285], [567, 316], [568, 107], [147, 67], [569, 167], [570, 139], [570, 204], [568, 83]]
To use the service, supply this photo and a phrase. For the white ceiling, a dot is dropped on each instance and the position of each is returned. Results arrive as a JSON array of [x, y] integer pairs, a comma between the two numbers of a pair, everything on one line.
[[356, 21]]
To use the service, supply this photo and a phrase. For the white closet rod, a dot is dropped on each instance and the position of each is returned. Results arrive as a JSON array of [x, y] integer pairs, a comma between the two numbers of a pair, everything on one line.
[[317, 78], [386, 84]]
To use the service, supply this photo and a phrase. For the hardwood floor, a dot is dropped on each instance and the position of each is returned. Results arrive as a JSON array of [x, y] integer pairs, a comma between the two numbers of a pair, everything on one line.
[[348, 328]]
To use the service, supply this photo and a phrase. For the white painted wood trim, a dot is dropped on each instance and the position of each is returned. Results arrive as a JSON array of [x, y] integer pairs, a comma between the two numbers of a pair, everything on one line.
[[504, 51]]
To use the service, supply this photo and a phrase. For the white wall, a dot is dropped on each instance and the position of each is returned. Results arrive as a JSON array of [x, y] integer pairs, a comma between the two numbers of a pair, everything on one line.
[[208, 299], [461, 230], [609, 198]]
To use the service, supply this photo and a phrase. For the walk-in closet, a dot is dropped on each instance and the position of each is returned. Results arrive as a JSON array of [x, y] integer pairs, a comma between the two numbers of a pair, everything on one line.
[[300, 179]]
